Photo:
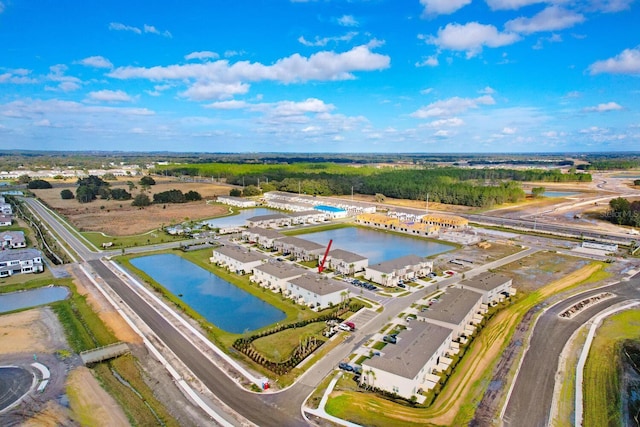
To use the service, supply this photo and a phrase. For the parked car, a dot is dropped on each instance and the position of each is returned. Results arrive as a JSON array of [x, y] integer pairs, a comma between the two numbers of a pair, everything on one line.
[[401, 285], [345, 366], [351, 325], [390, 339], [344, 327]]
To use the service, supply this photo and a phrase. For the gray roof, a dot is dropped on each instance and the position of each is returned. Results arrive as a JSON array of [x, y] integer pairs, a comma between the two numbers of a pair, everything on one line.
[[397, 264], [15, 236], [414, 348], [319, 284], [240, 253], [453, 306], [486, 281], [346, 256], [305, 213], [281, 270], [302, 243], [265, 232], [267, 217], [19, 254]]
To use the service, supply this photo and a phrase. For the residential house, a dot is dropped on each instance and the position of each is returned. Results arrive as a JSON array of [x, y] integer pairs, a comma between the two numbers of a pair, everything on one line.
[[409, 365], [458, 309], [5, 220], [317, 290], [492, 286], [406, 268], [345, 262], [237, 258], [271, 220], [263, 237], [307, 216], [20, 261], [12, 240], [275, 274], [300, 249], [239, 202]]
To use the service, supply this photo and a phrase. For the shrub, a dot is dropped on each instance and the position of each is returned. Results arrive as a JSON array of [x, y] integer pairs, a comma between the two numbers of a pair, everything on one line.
[[37, 184], [66, 194]]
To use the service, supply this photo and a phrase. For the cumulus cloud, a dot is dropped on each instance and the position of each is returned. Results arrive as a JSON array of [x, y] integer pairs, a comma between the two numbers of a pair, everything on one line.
[[17, 76], [600, 108], [451, 122], [431, 61], [611, 6], [471, 37], [487, 90], [552, 18], [36, 109], [57, 73], [203, 54], [96, 62], [348, 21], [442, 7], [325, 40], [509, 131], [452, 106], [153, 30], [212, 78], [627, 62], [109, 96]]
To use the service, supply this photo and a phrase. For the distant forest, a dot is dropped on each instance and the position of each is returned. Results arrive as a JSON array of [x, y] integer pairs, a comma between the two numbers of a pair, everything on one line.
[[451, 185]]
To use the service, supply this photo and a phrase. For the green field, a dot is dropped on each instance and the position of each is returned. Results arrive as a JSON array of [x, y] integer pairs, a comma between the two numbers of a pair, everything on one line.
[[277, 347]]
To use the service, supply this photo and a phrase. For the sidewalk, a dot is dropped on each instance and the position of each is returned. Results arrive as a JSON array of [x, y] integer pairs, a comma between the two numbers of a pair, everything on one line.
[[320, 412]]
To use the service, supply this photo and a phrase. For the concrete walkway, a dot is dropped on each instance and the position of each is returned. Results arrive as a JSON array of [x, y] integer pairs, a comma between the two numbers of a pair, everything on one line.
[[320, 412]]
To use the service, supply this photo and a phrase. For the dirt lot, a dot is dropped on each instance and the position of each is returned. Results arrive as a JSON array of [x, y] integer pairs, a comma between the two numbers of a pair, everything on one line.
[[37, 332], [119, 218]]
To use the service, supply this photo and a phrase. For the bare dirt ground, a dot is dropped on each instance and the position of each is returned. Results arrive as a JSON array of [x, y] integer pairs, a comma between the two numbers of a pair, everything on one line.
[[37, 333], [119, 218], [415, 204]]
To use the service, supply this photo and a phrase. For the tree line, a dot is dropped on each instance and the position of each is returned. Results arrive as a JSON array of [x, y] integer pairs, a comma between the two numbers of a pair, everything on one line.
[[624, 212]]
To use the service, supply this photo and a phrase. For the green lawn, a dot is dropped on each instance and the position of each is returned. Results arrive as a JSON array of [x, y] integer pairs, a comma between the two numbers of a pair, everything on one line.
[[602, 371], [277, 347]]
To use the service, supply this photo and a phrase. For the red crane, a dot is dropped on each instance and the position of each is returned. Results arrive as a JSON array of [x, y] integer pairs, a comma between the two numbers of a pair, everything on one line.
[[321, 266]]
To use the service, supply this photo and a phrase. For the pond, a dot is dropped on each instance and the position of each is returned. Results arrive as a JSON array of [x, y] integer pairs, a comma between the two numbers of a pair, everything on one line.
[[377, 246], [32, 298], [220, 302], [559, 193], [239, 219]]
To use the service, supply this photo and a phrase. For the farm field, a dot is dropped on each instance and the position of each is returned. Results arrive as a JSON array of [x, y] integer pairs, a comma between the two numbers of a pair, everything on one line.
[[119, 218]]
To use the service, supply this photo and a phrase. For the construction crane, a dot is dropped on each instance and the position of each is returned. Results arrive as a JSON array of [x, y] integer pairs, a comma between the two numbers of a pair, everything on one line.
[[321, 266]]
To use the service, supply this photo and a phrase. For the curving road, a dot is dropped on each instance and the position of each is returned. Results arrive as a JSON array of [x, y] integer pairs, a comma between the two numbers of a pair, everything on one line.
[[530, 402]]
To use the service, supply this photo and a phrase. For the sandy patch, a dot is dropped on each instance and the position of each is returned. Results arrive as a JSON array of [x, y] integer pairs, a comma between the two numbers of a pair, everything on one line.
[[91, 404], [52, 415], [24, 332]]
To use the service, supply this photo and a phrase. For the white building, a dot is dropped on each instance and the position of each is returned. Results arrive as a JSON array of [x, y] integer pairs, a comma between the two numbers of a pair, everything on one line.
[[307, 216], [20, 261], [237, 258], [300, 249], [406, 268], [274, 275], [5, 220], [239, 202], [409, 365], [271, 220], [491, 286], [317, 290], [345, 262], [263, 237], [458, 309], [12, 240], [5, 208]]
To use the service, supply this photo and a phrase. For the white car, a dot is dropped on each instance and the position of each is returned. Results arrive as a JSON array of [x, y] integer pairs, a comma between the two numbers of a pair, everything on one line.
[[344, 327]]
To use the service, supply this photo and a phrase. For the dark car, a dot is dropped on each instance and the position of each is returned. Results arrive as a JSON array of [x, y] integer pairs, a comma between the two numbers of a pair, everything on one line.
[[345, 366], [390, 339]]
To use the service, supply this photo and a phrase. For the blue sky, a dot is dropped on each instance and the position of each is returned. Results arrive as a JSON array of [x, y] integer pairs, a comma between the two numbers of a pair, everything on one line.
[[320, 76]]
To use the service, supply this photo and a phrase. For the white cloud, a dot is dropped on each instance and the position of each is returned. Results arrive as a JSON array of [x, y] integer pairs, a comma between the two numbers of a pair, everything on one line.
[[325, 40], [511, 4], [600, 108], [109, 96], [442, 7], [68, 86], [552, 18], [201, 91], [42, 123], [426, 91], [431, 61], [471, 37], [203, 54], [452, 122], [36, 109], [153, 30], [442, 133], [65, 83], [627, 62], [348, 21], [96, 62], [117, 26], [509, 131], [228, 105], [212, 78], [451, 106], [554, 38], [17, 76], [487, 91], [610, 6]]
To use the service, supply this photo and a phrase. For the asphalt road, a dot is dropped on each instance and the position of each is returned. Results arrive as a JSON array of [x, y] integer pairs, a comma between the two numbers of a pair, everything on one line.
[[532, 395], [247, 404], [14, 382]]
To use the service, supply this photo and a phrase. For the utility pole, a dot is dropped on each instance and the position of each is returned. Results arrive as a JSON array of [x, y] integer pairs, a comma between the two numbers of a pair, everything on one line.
[[352, 193], [427, 203]]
